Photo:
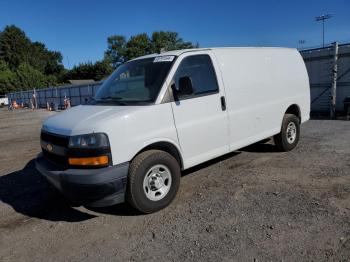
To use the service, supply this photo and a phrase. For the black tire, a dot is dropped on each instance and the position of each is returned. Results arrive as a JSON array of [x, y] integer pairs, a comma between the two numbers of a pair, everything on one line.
[[282, 142], [139, 168]]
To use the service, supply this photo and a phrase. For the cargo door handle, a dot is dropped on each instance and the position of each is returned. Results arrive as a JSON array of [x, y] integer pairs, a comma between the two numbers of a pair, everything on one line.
[[223, 103]]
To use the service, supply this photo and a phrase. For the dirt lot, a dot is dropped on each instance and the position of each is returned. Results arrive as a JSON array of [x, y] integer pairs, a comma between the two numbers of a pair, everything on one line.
[[252, 205]]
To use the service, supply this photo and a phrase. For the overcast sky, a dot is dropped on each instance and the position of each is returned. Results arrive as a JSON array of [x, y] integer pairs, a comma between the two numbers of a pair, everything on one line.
[[79, 29]]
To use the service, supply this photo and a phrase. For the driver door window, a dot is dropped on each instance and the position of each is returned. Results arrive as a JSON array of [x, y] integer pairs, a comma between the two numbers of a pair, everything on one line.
[[201, 71]]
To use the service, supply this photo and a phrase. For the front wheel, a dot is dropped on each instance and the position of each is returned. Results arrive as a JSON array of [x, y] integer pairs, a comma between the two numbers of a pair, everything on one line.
[[288, 138], [153, 181]]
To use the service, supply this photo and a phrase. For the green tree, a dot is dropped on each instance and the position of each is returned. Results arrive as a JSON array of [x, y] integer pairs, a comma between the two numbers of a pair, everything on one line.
[[28, 77], [47, 62], [54, 64], [7, 78], [14, 46], [89, 70], [120, 50], [138, 45], [167, 40], [116, 50], [102, 69], [81, 71], [38, 56]]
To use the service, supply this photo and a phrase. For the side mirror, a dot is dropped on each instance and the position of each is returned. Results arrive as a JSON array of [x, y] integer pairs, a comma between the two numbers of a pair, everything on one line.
[[185, 87]]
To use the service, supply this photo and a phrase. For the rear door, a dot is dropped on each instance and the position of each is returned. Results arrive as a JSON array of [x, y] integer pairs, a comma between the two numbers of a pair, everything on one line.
[[200, 117]]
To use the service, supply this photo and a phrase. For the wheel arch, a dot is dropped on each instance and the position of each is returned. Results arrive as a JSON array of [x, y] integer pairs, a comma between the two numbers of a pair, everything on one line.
[[165, 146], [295, 110]]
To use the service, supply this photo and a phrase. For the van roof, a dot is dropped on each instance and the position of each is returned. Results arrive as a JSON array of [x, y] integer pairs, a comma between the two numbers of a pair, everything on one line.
[[179, 52]]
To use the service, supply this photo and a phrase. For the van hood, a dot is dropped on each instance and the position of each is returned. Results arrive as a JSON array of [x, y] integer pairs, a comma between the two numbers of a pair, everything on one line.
[[85, 119]]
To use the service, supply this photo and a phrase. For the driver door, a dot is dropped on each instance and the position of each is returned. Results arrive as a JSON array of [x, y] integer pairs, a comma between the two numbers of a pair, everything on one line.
[[200, 114]]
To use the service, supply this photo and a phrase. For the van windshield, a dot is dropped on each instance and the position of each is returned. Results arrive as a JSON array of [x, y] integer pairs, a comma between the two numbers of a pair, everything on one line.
[[135, 82]]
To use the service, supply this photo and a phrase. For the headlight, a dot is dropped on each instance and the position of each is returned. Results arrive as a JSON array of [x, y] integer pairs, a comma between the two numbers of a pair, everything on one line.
[[94, 140]]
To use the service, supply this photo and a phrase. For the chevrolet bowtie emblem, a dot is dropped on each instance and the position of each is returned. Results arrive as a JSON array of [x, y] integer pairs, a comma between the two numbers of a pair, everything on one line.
[[49, 147]]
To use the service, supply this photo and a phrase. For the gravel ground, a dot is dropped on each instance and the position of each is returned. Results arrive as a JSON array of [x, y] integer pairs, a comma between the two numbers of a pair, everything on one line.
[[251, 205]]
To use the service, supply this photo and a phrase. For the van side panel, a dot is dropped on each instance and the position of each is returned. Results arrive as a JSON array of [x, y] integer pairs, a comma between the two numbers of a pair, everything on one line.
[[260, 84]]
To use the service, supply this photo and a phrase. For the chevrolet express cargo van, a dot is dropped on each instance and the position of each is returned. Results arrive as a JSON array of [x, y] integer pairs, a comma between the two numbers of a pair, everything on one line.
[[159, 114]]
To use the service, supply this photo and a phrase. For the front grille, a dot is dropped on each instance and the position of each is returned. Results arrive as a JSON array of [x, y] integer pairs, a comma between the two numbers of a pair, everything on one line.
[[56, 159], [55, 139], [58, 140]]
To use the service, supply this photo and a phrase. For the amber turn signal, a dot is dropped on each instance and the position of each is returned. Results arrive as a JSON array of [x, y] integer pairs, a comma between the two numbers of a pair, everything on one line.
[[88, 161]]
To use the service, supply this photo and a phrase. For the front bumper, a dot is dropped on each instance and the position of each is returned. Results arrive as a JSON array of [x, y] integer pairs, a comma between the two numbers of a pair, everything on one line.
[[92, 187]]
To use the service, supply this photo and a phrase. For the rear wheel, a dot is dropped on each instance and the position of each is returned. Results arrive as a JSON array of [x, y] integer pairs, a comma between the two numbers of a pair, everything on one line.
[[288, 138], [153, 181]]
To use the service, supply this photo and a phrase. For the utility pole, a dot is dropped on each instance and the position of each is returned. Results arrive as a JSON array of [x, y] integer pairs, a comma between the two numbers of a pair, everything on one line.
[[323, 18], [334, 80]]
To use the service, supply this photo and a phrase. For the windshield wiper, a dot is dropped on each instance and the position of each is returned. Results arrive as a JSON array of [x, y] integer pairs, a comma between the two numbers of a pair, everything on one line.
[[118, 100], [112, 99]]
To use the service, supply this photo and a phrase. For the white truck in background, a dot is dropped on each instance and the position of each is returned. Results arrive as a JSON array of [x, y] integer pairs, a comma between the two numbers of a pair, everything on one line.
[[162, 113], [4, 101]]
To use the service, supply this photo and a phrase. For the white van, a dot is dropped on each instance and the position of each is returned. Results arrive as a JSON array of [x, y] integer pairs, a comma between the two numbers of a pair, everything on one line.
[[159, 114]]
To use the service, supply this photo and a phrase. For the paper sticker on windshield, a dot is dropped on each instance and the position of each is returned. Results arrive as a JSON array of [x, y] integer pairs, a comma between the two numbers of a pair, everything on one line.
[[167, 58]]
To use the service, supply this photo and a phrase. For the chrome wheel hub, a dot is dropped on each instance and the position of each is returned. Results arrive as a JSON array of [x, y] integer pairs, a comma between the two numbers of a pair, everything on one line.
[[291, 132], [157, 182]]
